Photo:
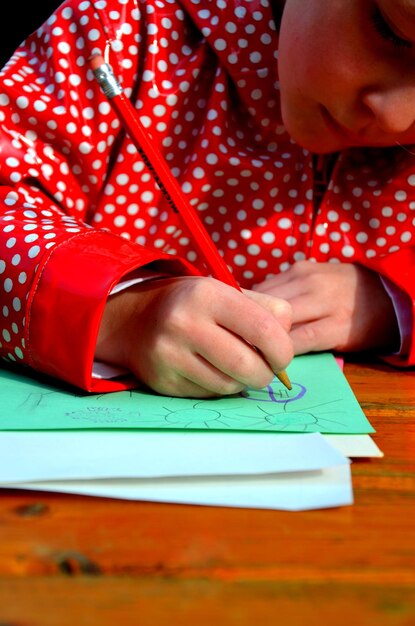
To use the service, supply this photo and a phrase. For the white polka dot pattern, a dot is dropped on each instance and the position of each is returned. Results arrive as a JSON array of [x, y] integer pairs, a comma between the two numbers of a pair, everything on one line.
[[203, 77]]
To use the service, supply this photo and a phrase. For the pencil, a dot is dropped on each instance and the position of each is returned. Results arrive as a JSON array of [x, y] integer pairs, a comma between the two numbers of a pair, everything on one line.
[[168, 184]]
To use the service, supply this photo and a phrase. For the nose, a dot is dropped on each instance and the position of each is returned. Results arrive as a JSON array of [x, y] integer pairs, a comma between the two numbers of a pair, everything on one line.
[[393, 108]]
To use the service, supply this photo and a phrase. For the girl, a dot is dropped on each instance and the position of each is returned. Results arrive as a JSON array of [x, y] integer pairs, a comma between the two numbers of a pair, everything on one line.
[[288, 126]]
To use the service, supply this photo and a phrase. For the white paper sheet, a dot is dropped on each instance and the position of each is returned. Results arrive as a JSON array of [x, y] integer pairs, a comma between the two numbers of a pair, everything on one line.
[[355, 446], [293, 472], [294, 491], [57, 455]]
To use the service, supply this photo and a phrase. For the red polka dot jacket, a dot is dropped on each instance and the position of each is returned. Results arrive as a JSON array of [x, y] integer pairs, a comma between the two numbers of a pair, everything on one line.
[[79, 209]]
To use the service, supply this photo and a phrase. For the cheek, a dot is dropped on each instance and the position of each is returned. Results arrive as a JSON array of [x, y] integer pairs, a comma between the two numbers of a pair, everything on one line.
[[318, 50], [302, 61]]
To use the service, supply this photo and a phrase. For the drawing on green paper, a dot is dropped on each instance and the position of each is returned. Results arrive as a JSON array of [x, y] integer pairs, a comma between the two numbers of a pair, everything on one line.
[[321, 401]]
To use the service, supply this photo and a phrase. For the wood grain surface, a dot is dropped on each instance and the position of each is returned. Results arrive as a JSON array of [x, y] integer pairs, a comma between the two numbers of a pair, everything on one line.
[[75, 560]]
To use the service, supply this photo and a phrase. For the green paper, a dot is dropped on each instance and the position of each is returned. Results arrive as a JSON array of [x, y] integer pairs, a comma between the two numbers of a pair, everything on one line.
[[321, 401]]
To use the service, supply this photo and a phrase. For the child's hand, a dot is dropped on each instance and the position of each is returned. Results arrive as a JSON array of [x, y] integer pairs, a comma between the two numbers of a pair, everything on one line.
[[336, 306], [193, 336]]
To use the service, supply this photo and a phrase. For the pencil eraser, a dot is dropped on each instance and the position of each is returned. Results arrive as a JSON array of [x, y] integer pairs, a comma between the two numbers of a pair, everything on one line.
[[96, 61]]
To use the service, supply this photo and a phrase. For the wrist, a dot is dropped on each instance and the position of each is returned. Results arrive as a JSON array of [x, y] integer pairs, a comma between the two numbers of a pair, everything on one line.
[[125, 318], [120, 323]]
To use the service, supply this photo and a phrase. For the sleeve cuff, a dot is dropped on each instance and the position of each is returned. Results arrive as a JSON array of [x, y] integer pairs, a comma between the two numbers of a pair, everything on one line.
[[403, 311], [68, 297], [106, 371]]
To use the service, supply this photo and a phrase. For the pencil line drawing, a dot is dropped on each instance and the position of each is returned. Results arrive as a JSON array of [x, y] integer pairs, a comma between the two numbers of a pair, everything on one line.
[[273, 408]]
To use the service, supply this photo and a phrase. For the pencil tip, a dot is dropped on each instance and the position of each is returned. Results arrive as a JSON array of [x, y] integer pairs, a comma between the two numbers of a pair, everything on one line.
[[283, 378]]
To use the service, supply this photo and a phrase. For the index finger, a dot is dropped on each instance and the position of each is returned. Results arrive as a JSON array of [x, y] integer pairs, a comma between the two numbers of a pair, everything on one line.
[[259, 327]]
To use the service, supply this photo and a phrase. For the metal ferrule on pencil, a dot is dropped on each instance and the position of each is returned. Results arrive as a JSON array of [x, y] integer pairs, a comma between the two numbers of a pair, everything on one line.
[[105, 77]]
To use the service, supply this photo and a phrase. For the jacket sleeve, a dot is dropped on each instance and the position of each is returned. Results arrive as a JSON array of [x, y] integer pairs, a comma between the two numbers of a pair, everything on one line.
[[55, 269], [399, 269]]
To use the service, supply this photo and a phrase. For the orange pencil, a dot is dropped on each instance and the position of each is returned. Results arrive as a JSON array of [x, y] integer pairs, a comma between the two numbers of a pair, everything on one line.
[[164, 178]]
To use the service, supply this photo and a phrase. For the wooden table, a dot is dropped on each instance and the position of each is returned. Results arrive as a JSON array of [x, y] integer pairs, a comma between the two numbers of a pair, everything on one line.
[[80, 561]]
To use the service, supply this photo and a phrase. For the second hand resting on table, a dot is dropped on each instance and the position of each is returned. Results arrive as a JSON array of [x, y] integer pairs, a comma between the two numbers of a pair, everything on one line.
[[191, 336], [336, 306]]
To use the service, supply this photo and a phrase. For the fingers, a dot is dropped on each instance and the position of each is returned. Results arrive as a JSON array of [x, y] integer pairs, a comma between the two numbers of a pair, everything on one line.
[[273, 285], [181, 387], [260, 328], [233, 361], [340, 306], [190, 375], [307, 308], [198, 337], [227, 320], [279, 307], [216, 361], [299, 271], [316, 336]]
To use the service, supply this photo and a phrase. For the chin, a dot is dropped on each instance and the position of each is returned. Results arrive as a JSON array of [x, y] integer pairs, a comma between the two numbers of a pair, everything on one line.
[[322, 149], [317, 145], [318, 141]]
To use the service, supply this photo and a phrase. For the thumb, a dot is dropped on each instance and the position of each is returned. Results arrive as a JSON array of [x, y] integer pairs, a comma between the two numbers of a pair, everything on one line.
[[281, 309]]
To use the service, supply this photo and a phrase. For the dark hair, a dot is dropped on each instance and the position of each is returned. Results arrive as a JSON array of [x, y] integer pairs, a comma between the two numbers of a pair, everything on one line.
[[21, 22], [277, 7]]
